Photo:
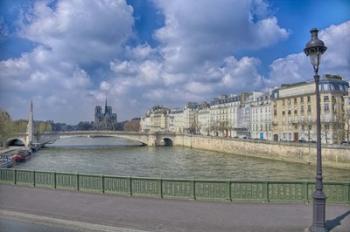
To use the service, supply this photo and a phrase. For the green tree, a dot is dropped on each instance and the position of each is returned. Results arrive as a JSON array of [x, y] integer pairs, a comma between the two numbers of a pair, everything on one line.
[[6, 128]]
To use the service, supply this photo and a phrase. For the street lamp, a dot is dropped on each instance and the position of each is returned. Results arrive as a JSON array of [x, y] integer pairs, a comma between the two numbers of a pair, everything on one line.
[[314, 49]]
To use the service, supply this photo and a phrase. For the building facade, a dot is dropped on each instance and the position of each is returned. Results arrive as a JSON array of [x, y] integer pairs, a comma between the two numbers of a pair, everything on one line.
[[204, 119], [347, 117], [261, 117], [294, 111], [190, 118], [176, 120], [155, 120], [224, 116], [106, 120]]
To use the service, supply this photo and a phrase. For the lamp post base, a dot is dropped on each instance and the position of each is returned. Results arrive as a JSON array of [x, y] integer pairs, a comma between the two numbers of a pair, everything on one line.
[[319, 213]]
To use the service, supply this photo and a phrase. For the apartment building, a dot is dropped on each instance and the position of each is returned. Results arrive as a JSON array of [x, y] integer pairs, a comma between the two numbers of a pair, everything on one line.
[[190, 117], [261, 117], [294, 110], [176, 120], [204, 119], [155, 119]]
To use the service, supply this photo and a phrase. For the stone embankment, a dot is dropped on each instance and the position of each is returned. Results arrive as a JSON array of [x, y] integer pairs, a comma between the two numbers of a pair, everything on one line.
[[337, 156], [8, 151]]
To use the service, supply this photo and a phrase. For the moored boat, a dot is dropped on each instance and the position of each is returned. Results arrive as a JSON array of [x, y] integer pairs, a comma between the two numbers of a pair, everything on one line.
[[21, 155]]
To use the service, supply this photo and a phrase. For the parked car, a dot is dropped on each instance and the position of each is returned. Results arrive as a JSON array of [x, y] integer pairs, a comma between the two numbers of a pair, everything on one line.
[[5, 162]]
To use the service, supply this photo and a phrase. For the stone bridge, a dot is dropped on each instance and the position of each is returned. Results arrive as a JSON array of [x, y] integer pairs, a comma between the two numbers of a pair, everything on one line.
[[149, 139]]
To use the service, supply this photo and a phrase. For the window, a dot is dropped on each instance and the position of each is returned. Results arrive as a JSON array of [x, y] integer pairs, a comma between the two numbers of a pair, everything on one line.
[[309, 109], [295, 100], [333, 99], [302, 109], [295, 112], [283, 113], [275, 112], [326, 107], [325, 87], [326, 98], [308, 98], [289, 112], [301, 99]]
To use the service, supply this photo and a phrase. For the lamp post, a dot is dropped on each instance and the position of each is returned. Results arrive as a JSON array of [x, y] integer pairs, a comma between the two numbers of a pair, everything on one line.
[[314, 49]]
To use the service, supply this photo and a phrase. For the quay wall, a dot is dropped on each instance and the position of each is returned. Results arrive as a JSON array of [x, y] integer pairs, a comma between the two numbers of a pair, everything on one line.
[[332, 155]]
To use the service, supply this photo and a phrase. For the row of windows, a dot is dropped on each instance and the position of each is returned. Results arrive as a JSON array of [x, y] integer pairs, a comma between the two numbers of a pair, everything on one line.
[[265, 127], [308, 100]]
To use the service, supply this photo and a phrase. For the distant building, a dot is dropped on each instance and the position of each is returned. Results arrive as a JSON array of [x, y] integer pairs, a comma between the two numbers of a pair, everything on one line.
[[261, 117], [175, 121], [294, 110], [106, 120], [190, 118], [155, 119], [204, 118]]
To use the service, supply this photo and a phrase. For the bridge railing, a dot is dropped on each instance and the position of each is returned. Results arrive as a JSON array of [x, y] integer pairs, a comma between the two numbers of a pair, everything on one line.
[[223, 190]]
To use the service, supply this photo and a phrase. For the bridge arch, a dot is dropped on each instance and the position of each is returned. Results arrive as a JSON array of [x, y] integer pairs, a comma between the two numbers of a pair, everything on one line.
[[15, 142], [167, 141]]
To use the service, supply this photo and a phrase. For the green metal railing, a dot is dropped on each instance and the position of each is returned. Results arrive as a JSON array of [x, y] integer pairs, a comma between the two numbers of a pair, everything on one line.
[[225, 190]]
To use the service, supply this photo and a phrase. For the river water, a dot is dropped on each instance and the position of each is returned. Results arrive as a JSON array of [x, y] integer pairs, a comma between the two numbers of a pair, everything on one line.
[[112, 156]]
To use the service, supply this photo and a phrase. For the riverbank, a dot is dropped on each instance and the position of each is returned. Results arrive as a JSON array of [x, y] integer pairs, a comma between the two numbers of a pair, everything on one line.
[[9, 151], [332, 155]]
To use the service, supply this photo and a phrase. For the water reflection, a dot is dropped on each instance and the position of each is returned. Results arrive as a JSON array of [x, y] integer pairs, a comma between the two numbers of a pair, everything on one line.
[[112, 156]]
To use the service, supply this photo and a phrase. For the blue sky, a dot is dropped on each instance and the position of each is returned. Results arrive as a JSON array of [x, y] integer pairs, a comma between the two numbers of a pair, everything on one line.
[[69, 55]]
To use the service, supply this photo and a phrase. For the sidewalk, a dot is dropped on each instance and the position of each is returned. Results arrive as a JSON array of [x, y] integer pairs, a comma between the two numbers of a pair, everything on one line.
[[165, 215]]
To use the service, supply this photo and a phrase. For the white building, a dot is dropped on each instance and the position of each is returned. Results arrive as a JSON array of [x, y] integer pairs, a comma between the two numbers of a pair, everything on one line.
[[190, 117], [176, 120], [204, 119], [224, 115], [347, 117], [261, 117], [155, 120]]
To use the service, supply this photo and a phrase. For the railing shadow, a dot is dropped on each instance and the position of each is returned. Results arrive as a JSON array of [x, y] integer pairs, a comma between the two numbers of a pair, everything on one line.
[[331, 224]]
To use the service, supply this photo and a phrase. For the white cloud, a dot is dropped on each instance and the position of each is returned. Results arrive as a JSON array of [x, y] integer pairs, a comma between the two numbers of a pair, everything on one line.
[[336, 60], [74, 37], [80, 31], [82, 56], [212, 30]]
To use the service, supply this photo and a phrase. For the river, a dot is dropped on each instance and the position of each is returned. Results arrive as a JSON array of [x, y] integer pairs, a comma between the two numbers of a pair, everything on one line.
[[112, 156]]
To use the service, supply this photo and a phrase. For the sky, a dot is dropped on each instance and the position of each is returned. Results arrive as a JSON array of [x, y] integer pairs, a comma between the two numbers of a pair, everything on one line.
[[69, 55]]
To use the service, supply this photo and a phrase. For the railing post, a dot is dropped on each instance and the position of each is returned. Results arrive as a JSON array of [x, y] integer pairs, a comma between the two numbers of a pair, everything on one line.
[[161, 188], [103, 183], [15, 177], [194, 189], [34, 178], [54, 180], [130, 186], [306, 186], [229, 191], [78, 182], [267, 192], [349, 193]]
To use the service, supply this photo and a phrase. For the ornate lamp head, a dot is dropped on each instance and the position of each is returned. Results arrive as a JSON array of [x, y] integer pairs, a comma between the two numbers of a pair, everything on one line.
[[314, 49]]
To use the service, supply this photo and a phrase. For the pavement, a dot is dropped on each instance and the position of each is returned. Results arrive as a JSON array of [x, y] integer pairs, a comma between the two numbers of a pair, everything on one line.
[[76, 211]]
